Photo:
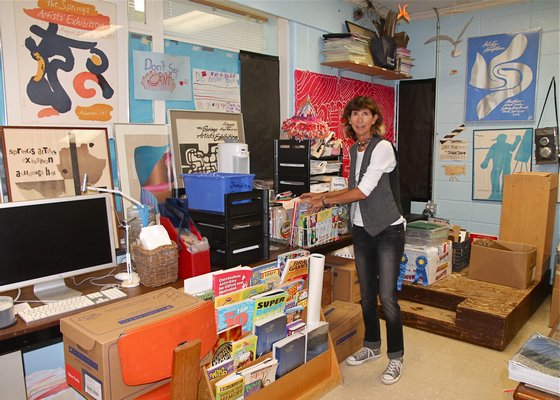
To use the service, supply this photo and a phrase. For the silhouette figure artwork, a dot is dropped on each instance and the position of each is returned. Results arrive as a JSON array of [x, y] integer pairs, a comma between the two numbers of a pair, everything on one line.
[[497, 153]]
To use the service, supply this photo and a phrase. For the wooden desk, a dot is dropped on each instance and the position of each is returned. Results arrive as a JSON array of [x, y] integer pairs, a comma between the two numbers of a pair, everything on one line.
[[21, 335], [522, 392]]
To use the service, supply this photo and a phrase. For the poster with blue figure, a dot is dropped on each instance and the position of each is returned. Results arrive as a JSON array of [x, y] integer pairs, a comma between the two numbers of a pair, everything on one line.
[[502, 76], [497, 153]]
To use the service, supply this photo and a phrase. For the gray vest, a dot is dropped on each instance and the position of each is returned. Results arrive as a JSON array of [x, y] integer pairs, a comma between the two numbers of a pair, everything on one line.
[[379, 209]]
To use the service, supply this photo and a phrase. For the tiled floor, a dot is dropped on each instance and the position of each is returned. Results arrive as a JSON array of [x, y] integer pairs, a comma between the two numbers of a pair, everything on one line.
[[439, 368]]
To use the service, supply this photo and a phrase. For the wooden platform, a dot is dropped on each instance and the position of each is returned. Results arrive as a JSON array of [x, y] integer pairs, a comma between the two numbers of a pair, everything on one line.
[[473, 311]]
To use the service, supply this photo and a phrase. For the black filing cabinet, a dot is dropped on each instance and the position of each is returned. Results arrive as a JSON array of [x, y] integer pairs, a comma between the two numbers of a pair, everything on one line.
[[239, 235]]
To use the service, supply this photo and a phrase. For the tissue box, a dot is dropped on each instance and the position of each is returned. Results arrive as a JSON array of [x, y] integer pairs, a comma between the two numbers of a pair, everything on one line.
[[426, 264]]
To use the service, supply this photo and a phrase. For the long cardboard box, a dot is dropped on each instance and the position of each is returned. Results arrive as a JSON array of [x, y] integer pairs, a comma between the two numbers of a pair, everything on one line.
[[346, 326], [504, 263], [125, 349]]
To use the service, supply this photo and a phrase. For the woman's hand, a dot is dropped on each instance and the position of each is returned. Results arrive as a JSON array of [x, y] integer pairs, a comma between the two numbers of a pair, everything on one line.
[[311, 196]]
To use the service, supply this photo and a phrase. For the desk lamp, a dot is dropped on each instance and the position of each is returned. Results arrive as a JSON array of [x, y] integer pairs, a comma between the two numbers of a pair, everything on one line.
[[129, 278]]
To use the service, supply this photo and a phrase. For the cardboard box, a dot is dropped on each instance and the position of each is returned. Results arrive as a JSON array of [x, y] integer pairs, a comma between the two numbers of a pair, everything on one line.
[[555, 300], [426, 264], [504, 263], [346, 326], [155, 322], [528, 213], [346, 286]]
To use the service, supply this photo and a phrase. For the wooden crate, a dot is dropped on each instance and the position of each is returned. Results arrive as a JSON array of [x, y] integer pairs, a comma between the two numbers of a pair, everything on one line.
[[528, 213]]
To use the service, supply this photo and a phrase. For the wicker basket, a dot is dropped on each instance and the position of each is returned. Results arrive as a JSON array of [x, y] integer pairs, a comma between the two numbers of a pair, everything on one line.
[[156, 267]]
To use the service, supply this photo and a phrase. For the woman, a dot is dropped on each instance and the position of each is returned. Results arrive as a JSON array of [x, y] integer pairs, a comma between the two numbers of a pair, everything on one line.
[[377, 230]]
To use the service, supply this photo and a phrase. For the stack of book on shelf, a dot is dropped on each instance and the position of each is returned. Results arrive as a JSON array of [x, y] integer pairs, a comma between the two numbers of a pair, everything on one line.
[[537, 364], [260, 317], [345, 47], [404, 61]]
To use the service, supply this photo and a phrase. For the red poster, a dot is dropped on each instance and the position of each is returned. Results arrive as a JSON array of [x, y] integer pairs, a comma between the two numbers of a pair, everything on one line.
[[329, 95]]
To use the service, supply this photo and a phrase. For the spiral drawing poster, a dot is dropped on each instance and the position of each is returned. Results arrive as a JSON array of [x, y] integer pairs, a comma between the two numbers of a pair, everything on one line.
[[502, 76]]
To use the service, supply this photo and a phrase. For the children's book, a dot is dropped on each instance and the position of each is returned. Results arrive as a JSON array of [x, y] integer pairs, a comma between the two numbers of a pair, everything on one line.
[[199, 284], [237, 313], [259, 375], [317, 340], [269, 331], [223, 348], [283, 258], [269, 303], [218, 371], [266, 273], [296, 268], [296, 290], [244, 351], [230, 387], [230, 280], [241, 294], [290, 353]]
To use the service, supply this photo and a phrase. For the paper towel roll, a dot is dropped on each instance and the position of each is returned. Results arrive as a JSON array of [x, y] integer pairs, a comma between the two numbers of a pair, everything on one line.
[[316, 269]]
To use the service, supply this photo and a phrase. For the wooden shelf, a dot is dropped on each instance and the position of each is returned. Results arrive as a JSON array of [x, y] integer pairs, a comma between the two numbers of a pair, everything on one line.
[[367, 69]]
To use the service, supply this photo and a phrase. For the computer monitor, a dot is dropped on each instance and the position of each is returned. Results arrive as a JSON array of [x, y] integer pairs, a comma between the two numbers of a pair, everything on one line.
[[44, 241]]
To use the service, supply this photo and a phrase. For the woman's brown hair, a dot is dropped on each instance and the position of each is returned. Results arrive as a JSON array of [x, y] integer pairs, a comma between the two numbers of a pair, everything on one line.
[[360, 103]]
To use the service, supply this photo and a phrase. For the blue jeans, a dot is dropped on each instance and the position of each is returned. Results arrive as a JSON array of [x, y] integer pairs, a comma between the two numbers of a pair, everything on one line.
[[378, 261]]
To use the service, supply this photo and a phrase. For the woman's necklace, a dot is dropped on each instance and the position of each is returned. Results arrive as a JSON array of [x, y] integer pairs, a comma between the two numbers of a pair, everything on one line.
[[364, 143]]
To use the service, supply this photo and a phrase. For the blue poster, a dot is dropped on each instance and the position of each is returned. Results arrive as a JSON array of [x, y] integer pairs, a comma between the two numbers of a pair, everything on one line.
[[502, 76], [141, 111]]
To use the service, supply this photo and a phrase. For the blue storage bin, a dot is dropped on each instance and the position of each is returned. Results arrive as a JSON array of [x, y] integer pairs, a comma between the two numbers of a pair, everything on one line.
[[206, 191]]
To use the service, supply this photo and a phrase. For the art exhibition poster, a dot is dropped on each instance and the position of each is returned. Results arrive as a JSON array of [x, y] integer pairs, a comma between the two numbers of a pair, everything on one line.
[[502, 76]]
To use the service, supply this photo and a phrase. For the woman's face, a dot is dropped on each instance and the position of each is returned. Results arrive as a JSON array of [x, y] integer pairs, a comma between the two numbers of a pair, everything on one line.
[[362, 121]]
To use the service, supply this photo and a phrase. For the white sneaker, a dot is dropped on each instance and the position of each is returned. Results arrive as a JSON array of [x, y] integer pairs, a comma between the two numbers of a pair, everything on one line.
[[363, 355], [392, 373]]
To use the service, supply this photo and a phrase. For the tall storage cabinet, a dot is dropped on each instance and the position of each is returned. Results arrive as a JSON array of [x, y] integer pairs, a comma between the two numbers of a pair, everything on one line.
[[528, 213]]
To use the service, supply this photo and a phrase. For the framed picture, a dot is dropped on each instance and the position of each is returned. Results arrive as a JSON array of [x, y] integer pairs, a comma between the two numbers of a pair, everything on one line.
[[497, 153], [502, 77], [50, 162], [195, 136], [144, 159], [355, 28]]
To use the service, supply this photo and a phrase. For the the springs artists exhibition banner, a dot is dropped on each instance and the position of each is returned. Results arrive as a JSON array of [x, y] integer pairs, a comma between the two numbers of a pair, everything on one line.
[[502, 76], [67, 53]]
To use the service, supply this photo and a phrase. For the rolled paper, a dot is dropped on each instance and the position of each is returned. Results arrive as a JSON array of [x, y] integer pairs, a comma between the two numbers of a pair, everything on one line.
[[316, 270]]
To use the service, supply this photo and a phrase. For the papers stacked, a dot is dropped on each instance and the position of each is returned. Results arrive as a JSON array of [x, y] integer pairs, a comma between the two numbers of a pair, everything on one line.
[[404, 61], [345, 47], [537, 364]]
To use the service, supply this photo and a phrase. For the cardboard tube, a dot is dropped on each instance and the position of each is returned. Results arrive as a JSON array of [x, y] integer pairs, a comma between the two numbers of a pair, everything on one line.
[[316, 269]]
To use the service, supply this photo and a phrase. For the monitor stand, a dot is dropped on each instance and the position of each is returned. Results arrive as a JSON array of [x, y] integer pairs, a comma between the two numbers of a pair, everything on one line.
[[55, 289]]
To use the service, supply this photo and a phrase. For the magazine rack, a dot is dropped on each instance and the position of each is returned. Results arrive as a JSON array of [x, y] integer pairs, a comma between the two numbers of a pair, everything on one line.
[[310, 381]]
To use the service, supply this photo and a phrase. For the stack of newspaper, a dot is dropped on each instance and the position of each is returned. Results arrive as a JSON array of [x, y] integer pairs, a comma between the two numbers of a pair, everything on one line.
[[345, 47], [537, 364]]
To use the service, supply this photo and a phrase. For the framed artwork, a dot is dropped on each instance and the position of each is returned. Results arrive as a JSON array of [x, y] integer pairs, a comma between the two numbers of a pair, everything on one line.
[[144, 159], [50, 162], [355, 28], [502, 77], [195, 136], [497, 153]]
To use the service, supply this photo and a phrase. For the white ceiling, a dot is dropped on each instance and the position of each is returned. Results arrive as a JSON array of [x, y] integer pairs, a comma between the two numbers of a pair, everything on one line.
[[421, 9]]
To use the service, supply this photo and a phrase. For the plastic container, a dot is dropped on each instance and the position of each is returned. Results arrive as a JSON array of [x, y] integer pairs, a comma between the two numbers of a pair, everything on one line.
[[206, 191], [424, 233]]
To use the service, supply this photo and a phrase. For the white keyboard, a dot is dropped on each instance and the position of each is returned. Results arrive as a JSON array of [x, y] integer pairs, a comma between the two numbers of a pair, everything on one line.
[[72, 304]]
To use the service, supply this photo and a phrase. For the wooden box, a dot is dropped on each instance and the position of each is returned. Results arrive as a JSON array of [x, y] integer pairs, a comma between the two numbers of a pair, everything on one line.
[[528, 213]]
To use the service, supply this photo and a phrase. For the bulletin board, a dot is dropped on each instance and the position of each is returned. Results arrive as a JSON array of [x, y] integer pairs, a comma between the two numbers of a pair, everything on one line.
[[202, 58]]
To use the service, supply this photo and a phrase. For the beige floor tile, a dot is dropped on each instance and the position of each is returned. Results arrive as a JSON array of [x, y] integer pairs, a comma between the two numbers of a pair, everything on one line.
[[440, 368]]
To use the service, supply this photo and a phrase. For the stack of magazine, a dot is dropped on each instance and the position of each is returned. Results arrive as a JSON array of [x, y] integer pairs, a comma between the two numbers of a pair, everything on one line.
[[345, 47], [537, 364]]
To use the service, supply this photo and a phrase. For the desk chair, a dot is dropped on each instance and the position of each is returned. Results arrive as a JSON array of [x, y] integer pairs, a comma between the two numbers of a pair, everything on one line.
[[169, 348]]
